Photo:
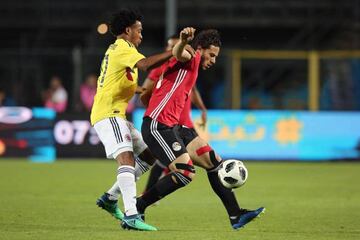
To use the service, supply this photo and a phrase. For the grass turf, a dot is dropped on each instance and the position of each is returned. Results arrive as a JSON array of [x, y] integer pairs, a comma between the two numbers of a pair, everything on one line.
[[303, 201]]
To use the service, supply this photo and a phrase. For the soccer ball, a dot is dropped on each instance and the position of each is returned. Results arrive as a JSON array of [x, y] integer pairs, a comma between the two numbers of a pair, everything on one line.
[[233, 173]]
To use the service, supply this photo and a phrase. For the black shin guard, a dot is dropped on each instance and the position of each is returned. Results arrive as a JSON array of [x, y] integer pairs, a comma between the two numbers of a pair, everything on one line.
[[162, 188], [154, 176], [213, 159], [226, 195]]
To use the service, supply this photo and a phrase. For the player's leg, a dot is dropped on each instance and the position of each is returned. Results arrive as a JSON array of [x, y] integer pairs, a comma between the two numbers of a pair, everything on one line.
[[108, 200], [140, 168], [156, 172], [116, 137], [204, 156], [170, 150], [181, 174], [143, 162], [144, 158]]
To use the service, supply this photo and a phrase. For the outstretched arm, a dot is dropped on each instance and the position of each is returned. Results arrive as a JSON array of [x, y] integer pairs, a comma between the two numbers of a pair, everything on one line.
[[153, 61], [181, 51], [147, 91]]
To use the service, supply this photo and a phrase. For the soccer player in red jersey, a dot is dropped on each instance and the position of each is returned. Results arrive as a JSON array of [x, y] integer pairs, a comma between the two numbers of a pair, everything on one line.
[[146, 90], [199, 150], [164, 131]]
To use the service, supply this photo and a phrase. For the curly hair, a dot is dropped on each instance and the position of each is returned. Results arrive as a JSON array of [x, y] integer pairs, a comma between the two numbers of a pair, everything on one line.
[[123, 19], [205, 38]]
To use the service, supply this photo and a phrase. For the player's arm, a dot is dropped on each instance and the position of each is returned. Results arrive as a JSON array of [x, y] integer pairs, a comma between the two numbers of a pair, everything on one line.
[[139, 90], [147, 87], [179, 51], [153, 61], [196, 99]]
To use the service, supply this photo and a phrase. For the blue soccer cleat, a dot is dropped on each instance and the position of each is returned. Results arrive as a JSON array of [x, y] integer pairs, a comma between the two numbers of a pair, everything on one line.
[[110, 206], [247, 216], [134, 222]]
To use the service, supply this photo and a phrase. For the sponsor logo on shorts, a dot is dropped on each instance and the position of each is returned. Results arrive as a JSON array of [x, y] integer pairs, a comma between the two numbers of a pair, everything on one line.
[[127, 137], [176, 146]]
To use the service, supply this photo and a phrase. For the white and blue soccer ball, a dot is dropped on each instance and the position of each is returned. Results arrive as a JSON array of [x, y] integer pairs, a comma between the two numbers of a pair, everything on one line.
[[233, 173]]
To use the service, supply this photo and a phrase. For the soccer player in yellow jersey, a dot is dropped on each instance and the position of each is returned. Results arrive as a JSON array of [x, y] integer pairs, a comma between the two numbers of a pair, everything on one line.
[[117, 84]]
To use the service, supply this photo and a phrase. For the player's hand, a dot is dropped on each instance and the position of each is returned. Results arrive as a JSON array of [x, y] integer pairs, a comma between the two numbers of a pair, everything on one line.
[[139, 90], [187, 34], [203, 119], [190, 50], [145, 97]]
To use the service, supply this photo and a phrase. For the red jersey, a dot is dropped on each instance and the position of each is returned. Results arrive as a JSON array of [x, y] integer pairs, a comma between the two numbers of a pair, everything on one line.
[[155, 74], [172, 91], [185, 117]]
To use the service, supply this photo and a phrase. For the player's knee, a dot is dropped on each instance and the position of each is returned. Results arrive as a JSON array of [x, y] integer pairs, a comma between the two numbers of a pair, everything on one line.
[[210, 160], [125, 158], [184, 172], [215, 159], [180, 179]]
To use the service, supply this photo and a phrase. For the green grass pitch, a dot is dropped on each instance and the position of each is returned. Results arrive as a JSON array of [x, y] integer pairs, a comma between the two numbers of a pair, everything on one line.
[[303, 201]]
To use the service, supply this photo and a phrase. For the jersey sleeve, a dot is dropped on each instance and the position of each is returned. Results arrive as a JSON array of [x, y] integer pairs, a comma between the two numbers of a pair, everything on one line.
[[172, 62], [191, 65], [131, 56], [195, 61]]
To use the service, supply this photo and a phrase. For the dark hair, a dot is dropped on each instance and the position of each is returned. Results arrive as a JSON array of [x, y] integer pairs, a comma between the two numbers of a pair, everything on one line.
[[205, 38], [123, 19]]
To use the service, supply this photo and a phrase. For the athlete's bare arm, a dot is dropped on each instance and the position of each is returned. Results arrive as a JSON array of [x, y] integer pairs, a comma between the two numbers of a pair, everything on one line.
[[153, 61], [196, 99], [139, 90], [179, 52], [147, 87], [146, 64]]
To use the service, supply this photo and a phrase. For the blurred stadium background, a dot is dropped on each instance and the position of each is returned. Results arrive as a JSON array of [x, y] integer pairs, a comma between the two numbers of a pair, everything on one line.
[[298, 58], [286, 87]]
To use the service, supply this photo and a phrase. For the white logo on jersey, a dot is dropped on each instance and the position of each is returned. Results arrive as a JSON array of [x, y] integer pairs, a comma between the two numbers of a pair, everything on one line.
[[158, 84]]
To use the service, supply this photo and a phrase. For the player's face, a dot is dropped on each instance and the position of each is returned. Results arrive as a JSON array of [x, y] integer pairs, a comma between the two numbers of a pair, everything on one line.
[[135, 33], [208, 56]]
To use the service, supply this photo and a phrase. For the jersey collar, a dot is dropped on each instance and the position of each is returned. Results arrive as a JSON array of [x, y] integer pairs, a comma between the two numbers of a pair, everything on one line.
[[125, 42]]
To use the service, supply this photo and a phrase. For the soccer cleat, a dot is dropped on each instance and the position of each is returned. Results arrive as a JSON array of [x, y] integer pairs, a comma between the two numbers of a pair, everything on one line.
[[110, 206], [142, 216], [247, 216], [134, 222]]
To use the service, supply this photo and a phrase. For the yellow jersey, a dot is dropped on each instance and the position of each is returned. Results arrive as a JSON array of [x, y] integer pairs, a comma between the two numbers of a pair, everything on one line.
[[117, 82]]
